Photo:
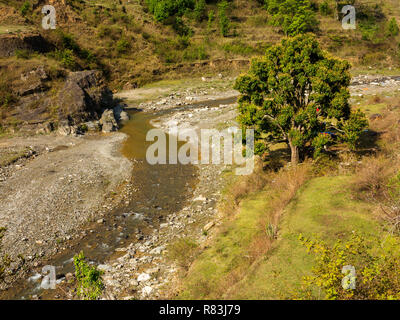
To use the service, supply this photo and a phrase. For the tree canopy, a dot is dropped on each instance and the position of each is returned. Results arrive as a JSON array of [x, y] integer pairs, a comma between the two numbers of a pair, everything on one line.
[[298, 94]]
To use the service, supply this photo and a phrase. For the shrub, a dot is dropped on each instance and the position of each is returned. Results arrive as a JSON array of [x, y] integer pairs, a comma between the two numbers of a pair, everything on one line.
[[89, 283], [377, 266], [195, 53], [66, 57], [325, 9], [224, 23], [26, 7], [211, 18], [392, 28], [200, 10], [293, 16], [122, 46]]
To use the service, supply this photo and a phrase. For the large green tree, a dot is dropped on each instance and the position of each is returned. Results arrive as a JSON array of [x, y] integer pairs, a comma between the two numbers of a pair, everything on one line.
[[297, 93]]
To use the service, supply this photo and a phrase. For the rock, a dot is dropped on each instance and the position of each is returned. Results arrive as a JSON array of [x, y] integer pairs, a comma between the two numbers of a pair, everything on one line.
[[200, 198], [146, 291], [69, 277], [375, 116], [143, 277], [100, 221], [108, 122], [208, 226], [121, 116], [157, 250], [104, 267], [83, 97], [92, 126]]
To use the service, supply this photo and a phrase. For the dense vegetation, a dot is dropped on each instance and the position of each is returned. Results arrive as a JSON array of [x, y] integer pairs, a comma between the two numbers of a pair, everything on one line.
[[299, 95]]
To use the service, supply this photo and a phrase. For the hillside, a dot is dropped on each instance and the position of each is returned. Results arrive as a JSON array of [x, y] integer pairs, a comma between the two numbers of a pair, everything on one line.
[[324, 102], [132, 46]]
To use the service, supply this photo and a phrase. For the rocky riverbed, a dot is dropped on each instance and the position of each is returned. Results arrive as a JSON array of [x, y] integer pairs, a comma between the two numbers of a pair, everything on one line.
[[145, 271], [52, 187]]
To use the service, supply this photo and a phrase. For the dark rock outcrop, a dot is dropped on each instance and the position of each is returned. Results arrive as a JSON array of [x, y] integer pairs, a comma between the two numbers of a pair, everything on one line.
[[10, 43], [83, 97]]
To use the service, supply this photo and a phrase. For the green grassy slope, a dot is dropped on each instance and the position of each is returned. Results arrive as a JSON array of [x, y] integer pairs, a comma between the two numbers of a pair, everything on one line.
[[323, 207]]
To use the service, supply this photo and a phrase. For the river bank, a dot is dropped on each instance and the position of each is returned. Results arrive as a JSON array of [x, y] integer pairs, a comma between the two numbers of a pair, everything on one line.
[[61, 185]]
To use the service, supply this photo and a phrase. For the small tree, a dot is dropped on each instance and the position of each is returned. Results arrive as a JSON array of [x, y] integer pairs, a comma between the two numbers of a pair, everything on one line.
[[293, 16], [299, 95], [200, 12], [392, 28], [224, 23], [89, 283]]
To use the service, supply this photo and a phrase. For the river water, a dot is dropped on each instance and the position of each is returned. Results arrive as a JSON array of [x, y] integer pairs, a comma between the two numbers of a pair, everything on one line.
[[160, 191]]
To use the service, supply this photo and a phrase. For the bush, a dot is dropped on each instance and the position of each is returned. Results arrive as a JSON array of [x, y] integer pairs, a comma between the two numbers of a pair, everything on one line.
[[224, 22], [325, 9], [89, 283], [195, 53], [122, 46], [293, 16], [26, 7], [164, 9], [376, 263], [392, 28], [66, 57], [200, 10]]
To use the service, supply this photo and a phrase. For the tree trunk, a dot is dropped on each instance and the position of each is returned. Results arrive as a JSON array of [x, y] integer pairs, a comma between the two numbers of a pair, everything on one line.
[[295, 154]]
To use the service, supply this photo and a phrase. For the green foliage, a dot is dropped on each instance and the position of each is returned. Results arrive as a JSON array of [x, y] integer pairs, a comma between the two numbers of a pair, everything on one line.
[[122, 46], [211, 18], [66, 57], [181, 28], [7, 96], [200, 12], [325, 8], [26, 7], [164, 9], [376, 262], [319, 142], [293, 16], [392, 28], [295, 93], [195, 53], [223, 20], [353, 128], [89, 283]]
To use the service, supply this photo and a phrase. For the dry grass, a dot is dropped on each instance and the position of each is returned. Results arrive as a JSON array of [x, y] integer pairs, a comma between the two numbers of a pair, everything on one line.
[[372, 177], [183, 252]]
